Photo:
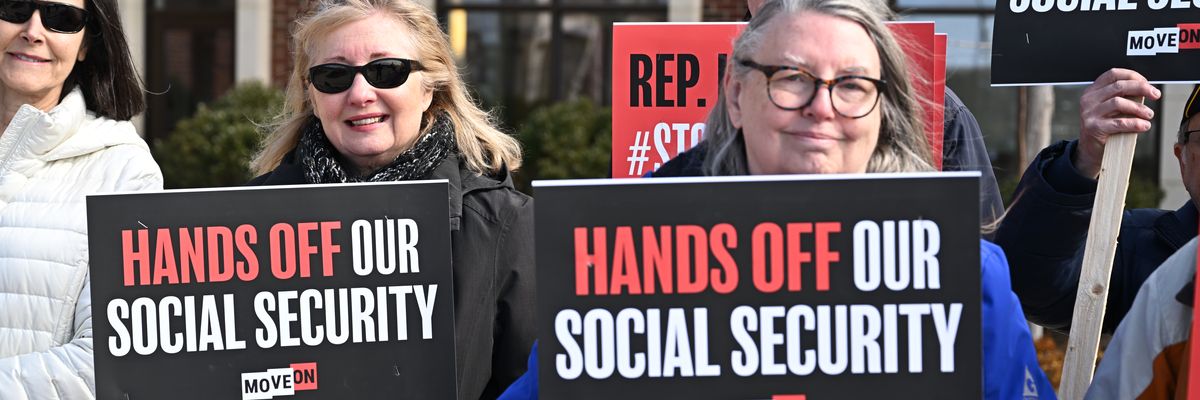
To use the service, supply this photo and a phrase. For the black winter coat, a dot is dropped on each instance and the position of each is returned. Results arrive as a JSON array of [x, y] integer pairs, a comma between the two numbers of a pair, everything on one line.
[[1046, 229], [491, 237]]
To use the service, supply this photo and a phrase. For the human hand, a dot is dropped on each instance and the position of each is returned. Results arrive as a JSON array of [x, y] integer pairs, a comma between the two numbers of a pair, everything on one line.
[[1111, 105]]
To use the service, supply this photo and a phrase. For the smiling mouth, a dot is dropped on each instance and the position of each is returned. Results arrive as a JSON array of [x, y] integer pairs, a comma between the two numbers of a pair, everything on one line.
[[28, 58], [810, 136], [367, 121]]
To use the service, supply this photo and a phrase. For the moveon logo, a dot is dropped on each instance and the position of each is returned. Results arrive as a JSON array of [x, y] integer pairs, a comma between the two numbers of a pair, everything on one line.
[[1163, 40], [279, 381]]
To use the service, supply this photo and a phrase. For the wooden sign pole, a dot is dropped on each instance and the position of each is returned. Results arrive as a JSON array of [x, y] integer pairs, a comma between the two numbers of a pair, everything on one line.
[[1092, 297]]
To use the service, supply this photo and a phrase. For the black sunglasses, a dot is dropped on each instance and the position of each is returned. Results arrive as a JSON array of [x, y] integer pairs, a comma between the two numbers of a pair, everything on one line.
[[384, 73], [57, 17]]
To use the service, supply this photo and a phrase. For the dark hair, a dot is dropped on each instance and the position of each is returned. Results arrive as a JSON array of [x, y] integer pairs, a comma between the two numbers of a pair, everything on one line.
[[111, 87]]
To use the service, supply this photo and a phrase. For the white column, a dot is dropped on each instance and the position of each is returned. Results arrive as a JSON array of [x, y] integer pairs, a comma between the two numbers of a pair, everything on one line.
[[133, 19], [685, 10], [1173, 100], [252, 56]]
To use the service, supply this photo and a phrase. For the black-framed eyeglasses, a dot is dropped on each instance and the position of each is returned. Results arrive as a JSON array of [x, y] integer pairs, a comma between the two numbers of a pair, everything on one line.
[[384, 73], [792, 88], [56, 17]]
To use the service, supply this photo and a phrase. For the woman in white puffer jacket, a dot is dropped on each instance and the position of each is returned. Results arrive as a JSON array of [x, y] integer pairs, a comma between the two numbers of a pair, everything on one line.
[[67, 92]]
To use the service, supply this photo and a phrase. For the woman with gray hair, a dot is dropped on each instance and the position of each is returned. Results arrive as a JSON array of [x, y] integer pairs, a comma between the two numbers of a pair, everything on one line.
[[821, 86], [890, 140]]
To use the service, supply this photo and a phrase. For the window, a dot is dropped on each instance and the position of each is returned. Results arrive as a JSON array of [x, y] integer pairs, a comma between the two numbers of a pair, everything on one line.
[[517, 54], [190, 50]]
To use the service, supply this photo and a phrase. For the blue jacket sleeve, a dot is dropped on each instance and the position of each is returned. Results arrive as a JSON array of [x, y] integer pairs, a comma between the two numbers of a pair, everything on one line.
[[526, 387], [1010, 365], [963, 149]]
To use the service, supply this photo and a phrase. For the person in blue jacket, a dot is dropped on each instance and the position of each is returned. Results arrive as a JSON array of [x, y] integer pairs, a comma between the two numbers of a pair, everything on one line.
[[1046, 228], [790, 105]]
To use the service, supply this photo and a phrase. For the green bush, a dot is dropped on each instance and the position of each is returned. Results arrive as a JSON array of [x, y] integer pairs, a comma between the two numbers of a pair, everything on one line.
[[213, 147], [1143, 193], [568, 140]]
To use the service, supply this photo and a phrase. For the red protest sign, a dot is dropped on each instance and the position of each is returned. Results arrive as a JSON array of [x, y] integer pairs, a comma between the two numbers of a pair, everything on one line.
[[939, 88], [666, 77], [920, 44]]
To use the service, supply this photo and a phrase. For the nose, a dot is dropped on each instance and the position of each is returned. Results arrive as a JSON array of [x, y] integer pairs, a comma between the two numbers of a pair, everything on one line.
[[821, 106], [33, 31], [361, 93]]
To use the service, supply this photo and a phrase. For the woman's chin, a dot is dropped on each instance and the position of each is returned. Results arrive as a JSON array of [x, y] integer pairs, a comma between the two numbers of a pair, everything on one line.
[[814, 170], [812, 163], [806, 168], [369, 161]]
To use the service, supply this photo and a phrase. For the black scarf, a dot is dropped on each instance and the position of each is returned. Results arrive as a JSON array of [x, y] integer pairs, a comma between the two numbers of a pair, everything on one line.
[[323, 164]]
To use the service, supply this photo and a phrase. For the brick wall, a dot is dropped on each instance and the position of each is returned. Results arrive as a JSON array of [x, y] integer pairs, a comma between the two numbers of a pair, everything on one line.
[[724, 10], [283, 14]]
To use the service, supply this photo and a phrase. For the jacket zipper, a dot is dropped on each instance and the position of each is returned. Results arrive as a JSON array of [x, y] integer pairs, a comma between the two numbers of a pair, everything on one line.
[[8, 156]]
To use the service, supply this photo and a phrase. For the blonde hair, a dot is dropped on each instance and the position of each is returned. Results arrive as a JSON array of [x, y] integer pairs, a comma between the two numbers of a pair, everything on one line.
[[902, 145], [485, 149]]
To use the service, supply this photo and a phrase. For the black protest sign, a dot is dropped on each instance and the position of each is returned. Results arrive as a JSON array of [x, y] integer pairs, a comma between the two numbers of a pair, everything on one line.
[[752, 288], [327, 291], [1074, 41]]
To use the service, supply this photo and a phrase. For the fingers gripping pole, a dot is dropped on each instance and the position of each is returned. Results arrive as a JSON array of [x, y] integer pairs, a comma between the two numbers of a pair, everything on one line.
[[1092, 296]]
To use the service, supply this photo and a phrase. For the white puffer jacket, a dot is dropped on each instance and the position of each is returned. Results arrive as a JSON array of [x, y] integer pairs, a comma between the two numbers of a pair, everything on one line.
[[48, 163]]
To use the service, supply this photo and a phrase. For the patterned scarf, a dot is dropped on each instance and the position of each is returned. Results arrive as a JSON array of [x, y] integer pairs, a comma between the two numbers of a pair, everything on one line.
[[323, 164]]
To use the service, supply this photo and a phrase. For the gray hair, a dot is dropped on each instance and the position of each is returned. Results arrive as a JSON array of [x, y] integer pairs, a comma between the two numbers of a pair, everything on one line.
[[902, 145]]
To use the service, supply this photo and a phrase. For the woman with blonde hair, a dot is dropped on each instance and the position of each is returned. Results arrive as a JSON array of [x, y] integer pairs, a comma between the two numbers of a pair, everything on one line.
[[375, 96]]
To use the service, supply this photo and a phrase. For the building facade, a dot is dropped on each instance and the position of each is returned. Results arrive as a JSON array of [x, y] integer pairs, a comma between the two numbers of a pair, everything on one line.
[[520, 54]]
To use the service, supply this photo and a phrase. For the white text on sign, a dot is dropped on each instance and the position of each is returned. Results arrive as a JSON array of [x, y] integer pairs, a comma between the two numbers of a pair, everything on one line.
[[670, 140]]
